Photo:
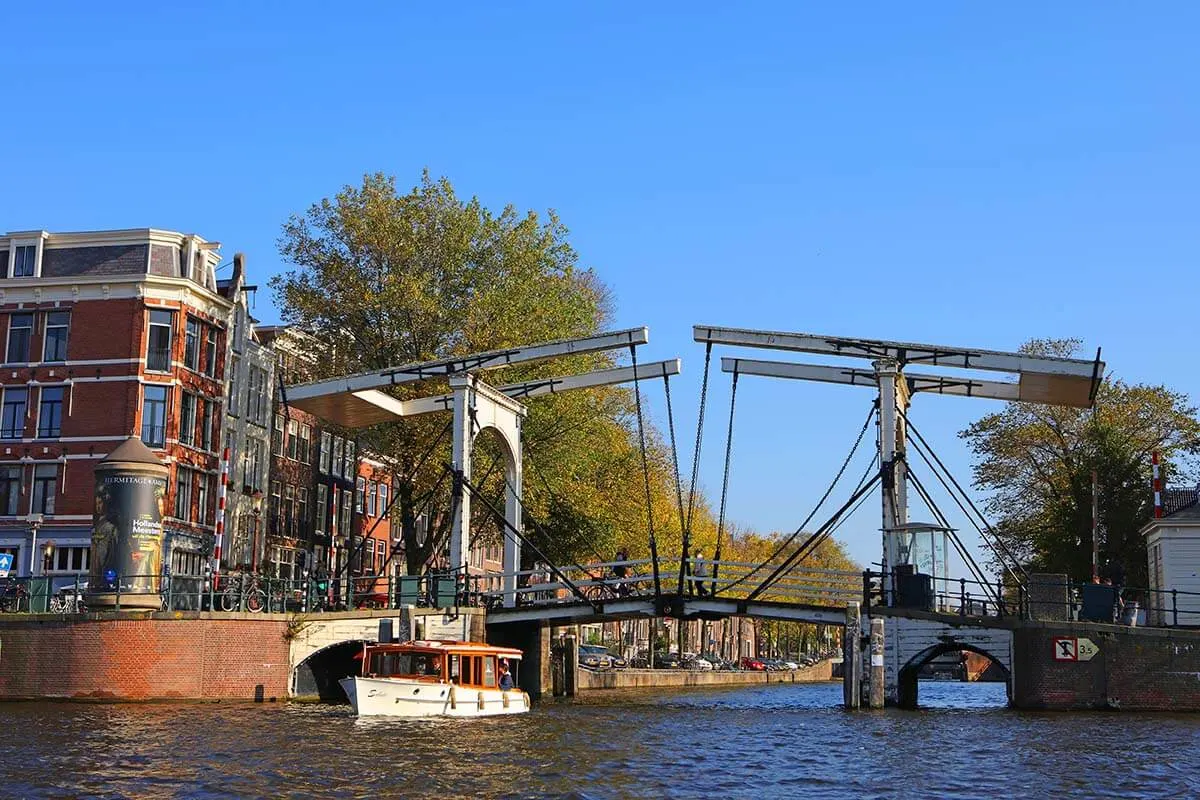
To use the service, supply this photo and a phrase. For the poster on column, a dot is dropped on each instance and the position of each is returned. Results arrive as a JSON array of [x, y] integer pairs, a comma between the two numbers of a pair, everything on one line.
[[127, 535]]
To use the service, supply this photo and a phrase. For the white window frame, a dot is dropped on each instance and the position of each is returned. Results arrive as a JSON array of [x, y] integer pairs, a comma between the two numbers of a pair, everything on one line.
[[10, 267]]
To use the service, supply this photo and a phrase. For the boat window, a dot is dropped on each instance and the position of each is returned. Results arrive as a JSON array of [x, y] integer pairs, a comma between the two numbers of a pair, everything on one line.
[[386, 664], [489, 671], [454, 669], [466, 670]]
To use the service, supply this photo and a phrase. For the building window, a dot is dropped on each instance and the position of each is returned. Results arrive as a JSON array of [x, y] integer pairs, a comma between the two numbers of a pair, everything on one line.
[[277, 436], [302, 511], [20, 331], [187, 419], [183, 493], [154, 415], [58, 323], [293, 439], [67, 559], [12, 424], [326, 452], [322, 509], [191, 344], [304, 448], [204, 492], [348, 468], [25, 261], [383, 499], [50, 413], [158, 344], [257, 408], [344, 522], [210, 352], [206, 424], [360, 494], [45, 487], [10, 490], [372, 490], [252, 465], [234, 386], [338, 450], [289, 510]]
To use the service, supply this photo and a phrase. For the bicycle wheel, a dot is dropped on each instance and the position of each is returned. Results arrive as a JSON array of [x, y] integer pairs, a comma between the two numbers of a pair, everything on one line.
[[229, 599], [256, 600]]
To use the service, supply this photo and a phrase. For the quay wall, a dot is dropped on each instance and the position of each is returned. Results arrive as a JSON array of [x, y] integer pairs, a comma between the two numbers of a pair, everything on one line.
[[1134, 669], [145, 656], [680, 678]]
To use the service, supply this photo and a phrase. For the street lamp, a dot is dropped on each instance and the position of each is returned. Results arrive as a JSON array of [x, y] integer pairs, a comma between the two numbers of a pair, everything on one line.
[[47, 555], [35, 522], [256, 501]]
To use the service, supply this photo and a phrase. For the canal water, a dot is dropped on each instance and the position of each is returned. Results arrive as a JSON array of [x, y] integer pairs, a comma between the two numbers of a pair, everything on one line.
[[751, 742]]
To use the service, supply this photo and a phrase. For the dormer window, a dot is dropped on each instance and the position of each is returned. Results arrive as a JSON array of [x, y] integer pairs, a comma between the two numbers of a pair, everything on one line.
[[24, 260]]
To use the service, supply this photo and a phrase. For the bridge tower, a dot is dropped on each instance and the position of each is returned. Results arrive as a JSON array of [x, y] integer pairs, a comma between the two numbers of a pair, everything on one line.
[[359, 401]]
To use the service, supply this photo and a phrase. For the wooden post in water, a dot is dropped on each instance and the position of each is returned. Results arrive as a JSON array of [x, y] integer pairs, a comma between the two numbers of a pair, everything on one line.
[[851, 657], [877, 676], [570, 665]]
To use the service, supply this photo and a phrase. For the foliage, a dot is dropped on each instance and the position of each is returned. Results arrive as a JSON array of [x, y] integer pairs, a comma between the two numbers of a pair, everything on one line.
[[1036, 461], [382, 278]]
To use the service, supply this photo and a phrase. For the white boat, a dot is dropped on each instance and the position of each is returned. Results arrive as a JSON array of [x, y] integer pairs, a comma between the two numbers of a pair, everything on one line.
[[435, 678]]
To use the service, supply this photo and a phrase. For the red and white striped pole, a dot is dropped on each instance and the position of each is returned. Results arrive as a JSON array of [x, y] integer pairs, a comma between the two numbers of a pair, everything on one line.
[[1158, 508], [216, 567]]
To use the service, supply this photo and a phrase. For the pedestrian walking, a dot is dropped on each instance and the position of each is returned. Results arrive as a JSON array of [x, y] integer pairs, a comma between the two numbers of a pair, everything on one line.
[[699, 572]]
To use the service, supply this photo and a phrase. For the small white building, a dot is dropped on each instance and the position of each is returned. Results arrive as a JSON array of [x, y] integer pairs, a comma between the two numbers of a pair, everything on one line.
[[1173, 552]]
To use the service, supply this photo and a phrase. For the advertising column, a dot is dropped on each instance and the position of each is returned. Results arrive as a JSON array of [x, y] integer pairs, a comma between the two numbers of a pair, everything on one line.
[[127, 534]]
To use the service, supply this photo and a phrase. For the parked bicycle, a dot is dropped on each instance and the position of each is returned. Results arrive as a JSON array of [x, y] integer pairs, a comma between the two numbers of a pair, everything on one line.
[[14, 597], [247, 587]]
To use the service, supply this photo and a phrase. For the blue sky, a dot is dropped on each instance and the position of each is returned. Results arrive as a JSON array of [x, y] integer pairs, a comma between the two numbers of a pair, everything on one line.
[[957, 173]]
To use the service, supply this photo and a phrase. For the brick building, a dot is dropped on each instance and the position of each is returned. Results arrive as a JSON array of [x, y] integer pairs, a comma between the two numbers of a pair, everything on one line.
[[109, 334]]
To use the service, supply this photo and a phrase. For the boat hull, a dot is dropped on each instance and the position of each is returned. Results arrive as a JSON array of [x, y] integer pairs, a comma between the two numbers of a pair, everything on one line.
[[391, 697]]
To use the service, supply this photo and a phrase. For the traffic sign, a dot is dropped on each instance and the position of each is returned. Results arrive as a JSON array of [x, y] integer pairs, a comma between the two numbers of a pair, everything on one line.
[[1066, 648], [6, 561], [1074, 648]]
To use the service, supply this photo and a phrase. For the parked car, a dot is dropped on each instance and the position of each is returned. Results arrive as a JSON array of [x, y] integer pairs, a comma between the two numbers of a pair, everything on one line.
[[790, 665], [596, 657], [718, 662], [697, 663], [753, 664], [666, 660]]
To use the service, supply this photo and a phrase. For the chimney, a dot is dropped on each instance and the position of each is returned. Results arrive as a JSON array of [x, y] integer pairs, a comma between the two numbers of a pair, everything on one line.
[[239, 269]]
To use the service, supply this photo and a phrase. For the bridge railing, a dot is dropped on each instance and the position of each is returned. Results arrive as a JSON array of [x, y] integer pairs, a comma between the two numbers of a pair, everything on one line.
[[962, 596], [613, 580]]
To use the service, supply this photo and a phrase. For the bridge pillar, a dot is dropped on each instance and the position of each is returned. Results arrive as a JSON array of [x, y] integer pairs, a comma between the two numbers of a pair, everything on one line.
[[852, 657], [877, 671], [533, 640]]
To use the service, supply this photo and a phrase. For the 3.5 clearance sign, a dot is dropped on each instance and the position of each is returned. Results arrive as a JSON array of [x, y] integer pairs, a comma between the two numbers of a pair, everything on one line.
[[1074, 648]]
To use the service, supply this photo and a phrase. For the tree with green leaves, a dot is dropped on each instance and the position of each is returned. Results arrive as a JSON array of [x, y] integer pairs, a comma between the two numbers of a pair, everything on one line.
[[381, 277], [1036, 462]]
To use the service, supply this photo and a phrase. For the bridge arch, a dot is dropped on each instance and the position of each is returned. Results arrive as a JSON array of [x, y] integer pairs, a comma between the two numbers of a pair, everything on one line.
[[907, 679], [318, 674]]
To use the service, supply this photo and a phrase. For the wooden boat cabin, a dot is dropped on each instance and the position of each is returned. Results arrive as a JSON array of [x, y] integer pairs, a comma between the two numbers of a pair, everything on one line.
[[467, 664]]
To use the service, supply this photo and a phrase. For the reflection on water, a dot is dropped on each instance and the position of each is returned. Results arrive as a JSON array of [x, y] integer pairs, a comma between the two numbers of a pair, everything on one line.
[[750, 742]]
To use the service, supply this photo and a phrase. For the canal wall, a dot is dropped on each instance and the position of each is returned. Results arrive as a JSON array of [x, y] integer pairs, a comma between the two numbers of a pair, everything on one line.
[[145, 656], [681, 678], [1068, 666]]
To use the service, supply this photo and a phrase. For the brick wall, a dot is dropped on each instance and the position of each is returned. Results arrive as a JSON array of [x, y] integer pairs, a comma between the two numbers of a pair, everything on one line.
[[134, 657], [1136, 669]]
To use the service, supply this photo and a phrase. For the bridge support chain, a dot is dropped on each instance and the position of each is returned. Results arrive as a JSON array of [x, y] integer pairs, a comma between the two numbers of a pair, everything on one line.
[[852, 657], [877, 678]]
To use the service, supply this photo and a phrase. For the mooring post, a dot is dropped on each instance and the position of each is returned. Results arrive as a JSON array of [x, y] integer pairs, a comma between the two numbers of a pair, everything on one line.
[[877, 678], [851, 657], [570, 665]]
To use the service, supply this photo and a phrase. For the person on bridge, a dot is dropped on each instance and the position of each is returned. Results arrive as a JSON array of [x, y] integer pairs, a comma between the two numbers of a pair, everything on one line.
[[699, 572], [620, 571]]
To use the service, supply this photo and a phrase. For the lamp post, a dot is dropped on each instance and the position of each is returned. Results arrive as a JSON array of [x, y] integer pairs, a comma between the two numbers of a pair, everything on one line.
[[35, 522]]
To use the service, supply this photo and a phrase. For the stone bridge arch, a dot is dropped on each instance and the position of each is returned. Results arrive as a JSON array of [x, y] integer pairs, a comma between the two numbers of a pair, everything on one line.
[[909, 675], [909, 643]]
